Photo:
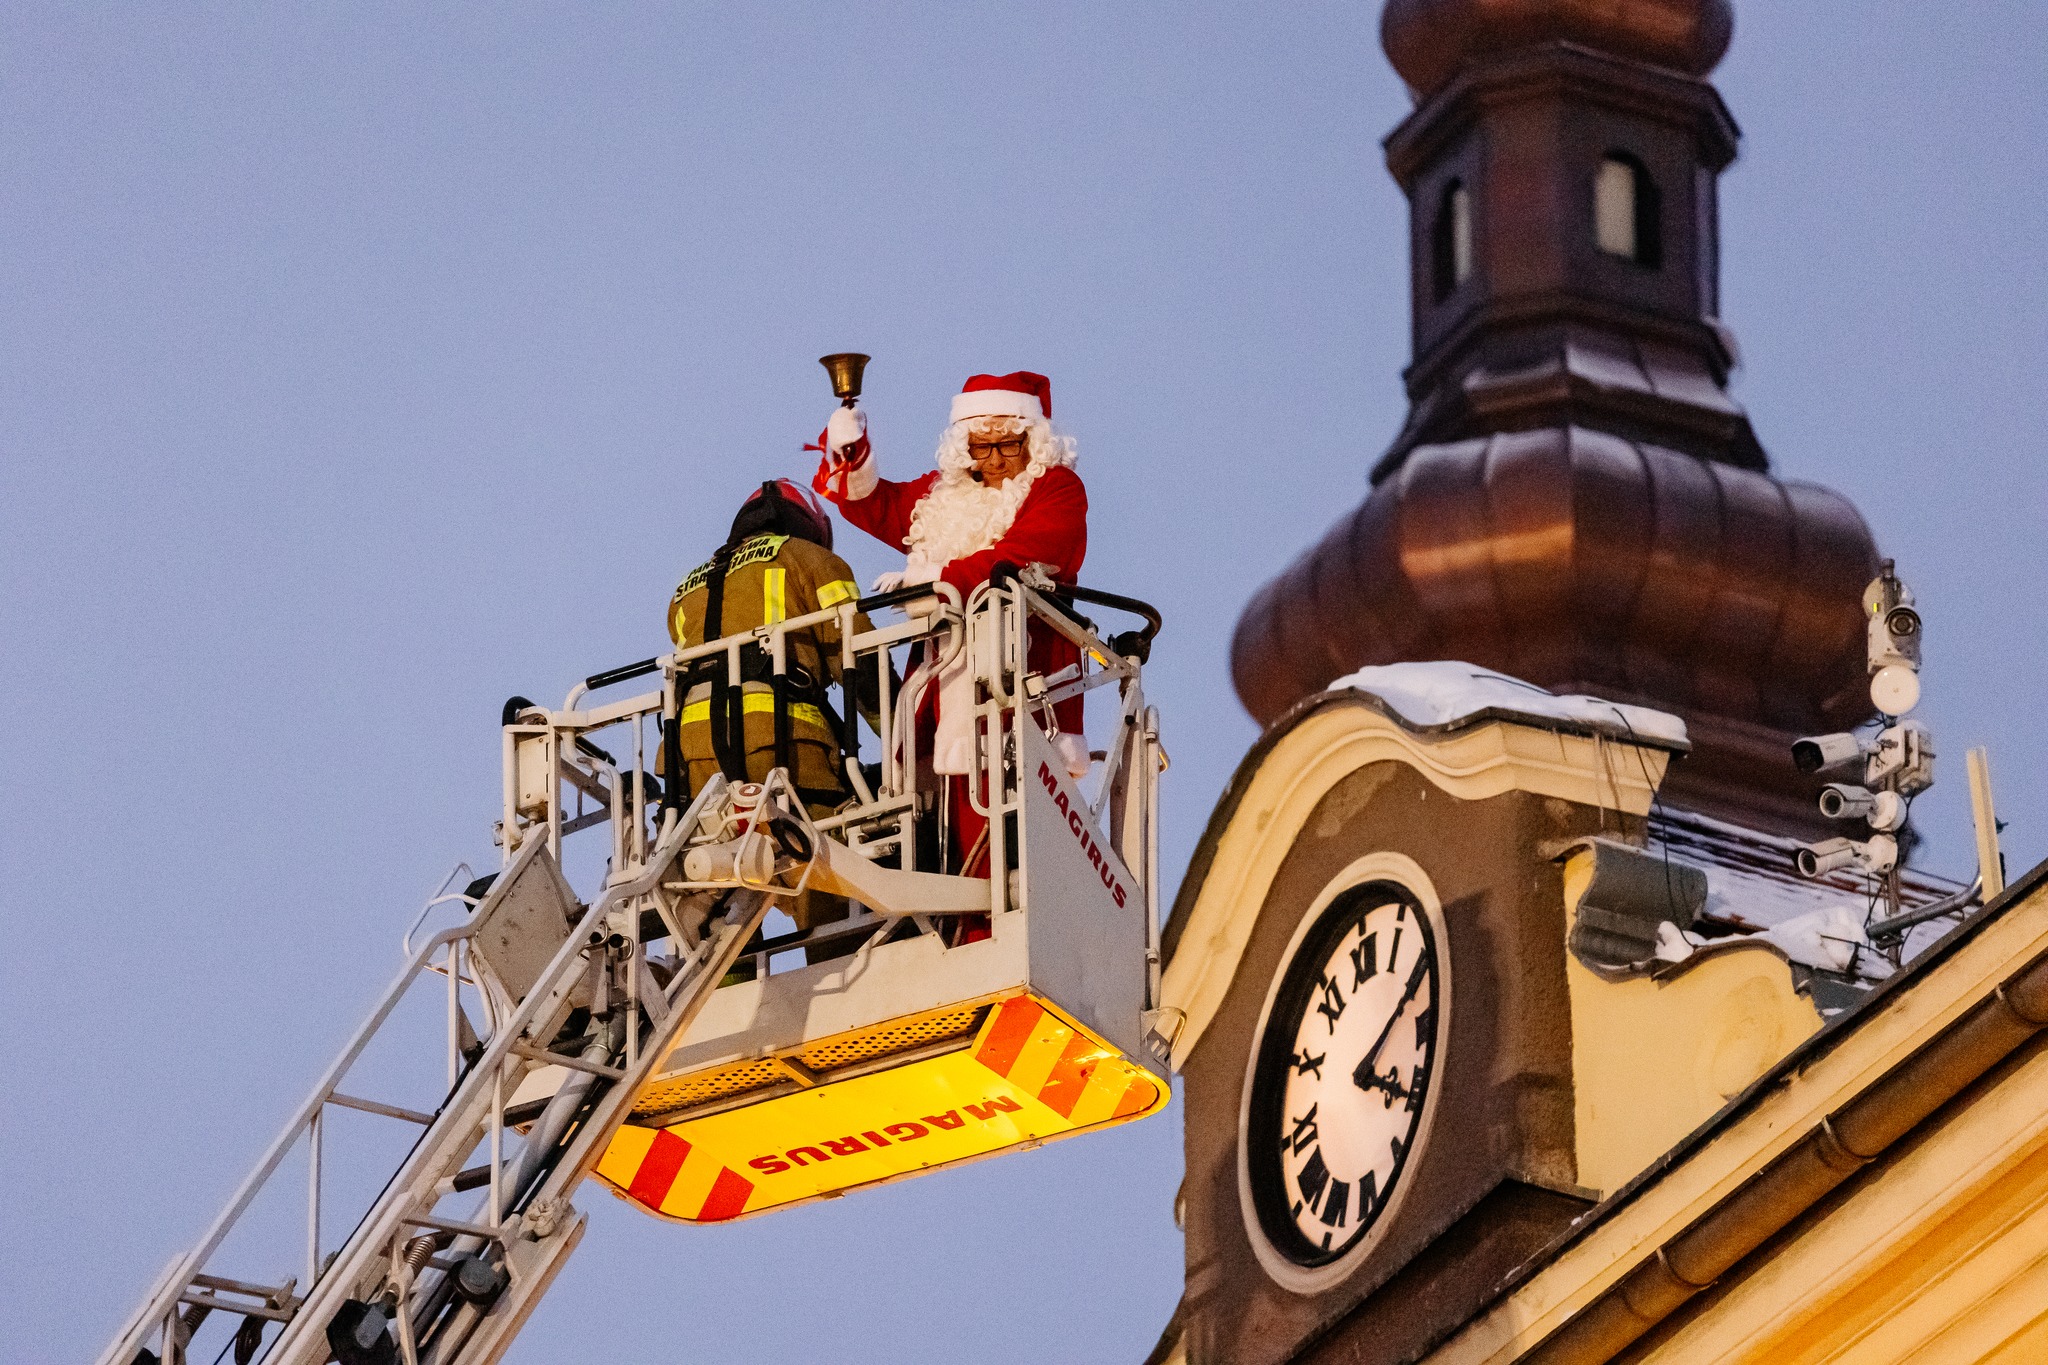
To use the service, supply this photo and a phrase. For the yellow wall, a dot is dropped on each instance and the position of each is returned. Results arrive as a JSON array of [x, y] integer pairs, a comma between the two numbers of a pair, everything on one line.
[[1941, 1256], [1652, 1060]]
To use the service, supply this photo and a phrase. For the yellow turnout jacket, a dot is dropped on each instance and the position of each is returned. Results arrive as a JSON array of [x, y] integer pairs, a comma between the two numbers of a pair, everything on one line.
[[768, 578]]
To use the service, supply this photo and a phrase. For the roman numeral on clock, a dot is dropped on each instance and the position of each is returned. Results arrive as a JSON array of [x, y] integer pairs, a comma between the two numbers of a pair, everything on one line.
[[1363, 960], [1337, 1205], [1304, 1133], [1332, 1003], [1313, 1178]]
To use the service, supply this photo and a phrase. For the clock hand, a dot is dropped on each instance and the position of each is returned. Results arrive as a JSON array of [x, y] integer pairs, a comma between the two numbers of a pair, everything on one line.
[[1387, 1085], [1367, 1076]]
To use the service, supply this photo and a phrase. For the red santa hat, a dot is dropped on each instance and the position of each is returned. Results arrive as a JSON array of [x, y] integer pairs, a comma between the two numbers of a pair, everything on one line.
[[1022, 394]]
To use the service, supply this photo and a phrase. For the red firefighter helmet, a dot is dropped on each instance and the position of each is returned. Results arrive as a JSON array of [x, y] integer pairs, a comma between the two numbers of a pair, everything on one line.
[[782, 507]]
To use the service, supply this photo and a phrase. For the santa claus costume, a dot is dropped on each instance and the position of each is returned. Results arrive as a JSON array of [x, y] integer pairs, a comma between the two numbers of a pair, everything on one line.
[[953, 528]]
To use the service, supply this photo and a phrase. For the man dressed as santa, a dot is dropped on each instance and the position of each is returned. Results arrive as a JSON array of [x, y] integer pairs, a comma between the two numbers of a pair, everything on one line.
[[1005, 490]]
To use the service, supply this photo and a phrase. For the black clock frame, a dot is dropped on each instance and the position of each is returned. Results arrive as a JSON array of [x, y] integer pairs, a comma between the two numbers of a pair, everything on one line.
[[1275, 1058]]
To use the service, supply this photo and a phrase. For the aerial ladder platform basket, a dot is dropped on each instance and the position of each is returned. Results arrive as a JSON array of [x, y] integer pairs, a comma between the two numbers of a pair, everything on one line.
[[657, 1040], [908, 1054]]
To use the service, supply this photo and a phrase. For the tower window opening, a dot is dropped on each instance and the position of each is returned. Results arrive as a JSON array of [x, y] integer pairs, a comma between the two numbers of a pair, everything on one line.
[[1627, 211], [1451, 241]]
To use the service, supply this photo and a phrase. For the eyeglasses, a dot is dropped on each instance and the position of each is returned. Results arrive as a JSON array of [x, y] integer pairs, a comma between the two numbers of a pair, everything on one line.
[[1001, 450]]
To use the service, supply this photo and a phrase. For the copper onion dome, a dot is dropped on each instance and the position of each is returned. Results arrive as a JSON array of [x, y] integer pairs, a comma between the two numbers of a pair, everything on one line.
[[1428, 40], [1589, 563], [1575, 498]]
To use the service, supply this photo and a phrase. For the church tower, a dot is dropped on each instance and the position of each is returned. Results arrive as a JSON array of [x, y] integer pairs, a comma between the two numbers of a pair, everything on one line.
[[1501, 906], [1575, 499]]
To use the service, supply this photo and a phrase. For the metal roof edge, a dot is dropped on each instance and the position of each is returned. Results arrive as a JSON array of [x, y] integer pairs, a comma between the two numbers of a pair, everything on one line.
[[1833, 1035]]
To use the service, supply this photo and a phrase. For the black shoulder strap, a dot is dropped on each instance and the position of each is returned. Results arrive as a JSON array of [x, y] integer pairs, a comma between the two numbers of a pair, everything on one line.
[[676, 791], [780, 681], [728, 720]]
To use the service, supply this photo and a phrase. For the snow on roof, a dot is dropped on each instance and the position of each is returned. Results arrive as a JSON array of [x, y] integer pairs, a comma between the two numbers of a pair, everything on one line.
[[1752, 889], [1829, 938], [1447, 694]]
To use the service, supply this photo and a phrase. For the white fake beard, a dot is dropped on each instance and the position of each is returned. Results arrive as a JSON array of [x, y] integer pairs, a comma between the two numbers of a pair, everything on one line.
[[960, 517]]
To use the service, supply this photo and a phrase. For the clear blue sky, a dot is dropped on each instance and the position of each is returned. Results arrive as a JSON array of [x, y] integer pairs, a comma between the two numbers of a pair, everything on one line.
[[361, 365]]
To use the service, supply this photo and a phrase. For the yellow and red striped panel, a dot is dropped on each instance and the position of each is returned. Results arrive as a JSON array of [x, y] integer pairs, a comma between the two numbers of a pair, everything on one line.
[[1032, 1075], [712, 1192], [1066, 1069]]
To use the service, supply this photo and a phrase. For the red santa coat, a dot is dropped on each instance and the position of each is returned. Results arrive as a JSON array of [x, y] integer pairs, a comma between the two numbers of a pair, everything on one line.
[[1050, 528]]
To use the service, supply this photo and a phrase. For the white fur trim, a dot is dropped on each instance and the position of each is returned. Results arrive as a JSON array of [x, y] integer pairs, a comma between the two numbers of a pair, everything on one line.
[[997, 403], [958, 517], [953, 735], [861, 479], [911, 577], [955, 518]]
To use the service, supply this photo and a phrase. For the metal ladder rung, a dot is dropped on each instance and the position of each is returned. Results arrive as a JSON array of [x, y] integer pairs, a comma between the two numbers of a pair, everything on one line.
[[389, 1111], [541, 1054], [247, 1310], [455, 1225], [469, 1178], [279, 1293]]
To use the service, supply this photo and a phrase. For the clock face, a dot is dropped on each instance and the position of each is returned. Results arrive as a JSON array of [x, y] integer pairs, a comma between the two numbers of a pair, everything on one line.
[[1342, 1073]]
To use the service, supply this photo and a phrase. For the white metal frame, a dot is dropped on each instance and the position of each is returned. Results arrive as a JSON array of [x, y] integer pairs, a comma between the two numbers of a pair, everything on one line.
[[403, 1252]]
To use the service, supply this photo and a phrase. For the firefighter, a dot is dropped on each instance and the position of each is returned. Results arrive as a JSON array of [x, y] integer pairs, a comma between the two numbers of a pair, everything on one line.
[[777, 563]]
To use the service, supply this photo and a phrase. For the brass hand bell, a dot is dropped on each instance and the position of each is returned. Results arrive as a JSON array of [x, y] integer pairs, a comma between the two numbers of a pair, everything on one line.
[[845, 368]]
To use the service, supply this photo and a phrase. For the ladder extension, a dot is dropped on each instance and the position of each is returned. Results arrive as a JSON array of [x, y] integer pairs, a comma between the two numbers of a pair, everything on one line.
[[422, 1282]]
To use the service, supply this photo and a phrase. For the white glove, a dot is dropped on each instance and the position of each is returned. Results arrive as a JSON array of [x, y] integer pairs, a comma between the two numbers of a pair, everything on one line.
[[844, 428], [1073, 750], [910, 577]]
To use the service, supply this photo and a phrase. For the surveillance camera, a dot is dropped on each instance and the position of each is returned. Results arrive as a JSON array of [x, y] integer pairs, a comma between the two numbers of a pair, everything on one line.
[[1829, 855], [1816, 753], [1882, 810], [1893, 635], [1876, 855], [1840, 801]]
